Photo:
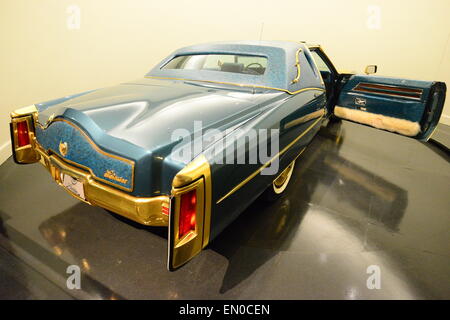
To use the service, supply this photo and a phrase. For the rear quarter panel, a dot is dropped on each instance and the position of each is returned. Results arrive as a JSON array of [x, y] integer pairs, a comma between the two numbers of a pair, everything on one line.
[[297, 119]]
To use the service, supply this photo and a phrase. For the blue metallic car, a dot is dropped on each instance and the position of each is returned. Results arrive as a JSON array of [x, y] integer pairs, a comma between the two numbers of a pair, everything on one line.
[[208, 130]]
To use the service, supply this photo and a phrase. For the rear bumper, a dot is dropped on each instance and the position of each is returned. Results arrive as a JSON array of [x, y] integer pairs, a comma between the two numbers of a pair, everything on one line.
[[146, 211]]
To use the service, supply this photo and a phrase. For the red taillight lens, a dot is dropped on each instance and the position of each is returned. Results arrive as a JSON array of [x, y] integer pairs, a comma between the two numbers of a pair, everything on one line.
[[188, 205], [23, 139], [165, 210]]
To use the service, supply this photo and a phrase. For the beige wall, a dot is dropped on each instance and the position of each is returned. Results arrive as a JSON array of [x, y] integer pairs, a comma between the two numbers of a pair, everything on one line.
[[42, 58]]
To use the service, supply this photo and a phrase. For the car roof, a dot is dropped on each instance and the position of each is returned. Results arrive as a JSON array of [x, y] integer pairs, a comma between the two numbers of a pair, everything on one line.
[[281, 69], [286, 45]]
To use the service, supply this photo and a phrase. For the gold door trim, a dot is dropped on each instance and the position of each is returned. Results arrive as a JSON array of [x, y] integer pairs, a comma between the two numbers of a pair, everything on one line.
[[297, 65], [238, 84], [250, 177]]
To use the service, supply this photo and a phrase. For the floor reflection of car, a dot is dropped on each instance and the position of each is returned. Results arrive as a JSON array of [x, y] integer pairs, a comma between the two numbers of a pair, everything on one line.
[[263, 229]]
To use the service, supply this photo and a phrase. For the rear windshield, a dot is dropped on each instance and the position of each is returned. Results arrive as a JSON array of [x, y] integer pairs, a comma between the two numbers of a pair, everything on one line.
[[254, 65]]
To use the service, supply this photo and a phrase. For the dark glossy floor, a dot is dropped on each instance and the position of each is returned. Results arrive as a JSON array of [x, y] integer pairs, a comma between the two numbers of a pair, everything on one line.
[[359, 197]]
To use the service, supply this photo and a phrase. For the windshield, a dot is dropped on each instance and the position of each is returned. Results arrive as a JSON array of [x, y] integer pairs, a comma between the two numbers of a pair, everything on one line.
[[246, 64]]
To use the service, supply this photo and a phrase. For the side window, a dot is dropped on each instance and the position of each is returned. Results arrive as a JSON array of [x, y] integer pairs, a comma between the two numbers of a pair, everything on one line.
[[326, 72], [321, 65]]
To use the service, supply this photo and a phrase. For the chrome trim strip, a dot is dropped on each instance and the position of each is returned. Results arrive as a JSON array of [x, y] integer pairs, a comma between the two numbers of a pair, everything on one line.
[[395, 91]]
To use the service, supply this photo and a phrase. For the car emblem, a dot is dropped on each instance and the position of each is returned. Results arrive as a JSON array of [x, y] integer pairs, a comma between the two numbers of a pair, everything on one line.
[[111, 174], [360, 101], [63, 148]]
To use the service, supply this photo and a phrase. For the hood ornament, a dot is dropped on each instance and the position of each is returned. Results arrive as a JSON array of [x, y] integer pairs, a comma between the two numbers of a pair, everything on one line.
[[63, 148]]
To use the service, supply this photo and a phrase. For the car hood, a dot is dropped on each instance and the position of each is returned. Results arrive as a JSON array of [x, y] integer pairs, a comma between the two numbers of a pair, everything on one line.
[[151, 113]]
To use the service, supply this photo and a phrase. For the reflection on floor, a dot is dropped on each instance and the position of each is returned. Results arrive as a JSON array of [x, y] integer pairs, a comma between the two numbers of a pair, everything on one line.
[[359, 197]]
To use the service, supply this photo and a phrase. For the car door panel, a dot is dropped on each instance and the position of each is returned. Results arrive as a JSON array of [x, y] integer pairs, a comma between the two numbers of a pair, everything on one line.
[[408, 107]]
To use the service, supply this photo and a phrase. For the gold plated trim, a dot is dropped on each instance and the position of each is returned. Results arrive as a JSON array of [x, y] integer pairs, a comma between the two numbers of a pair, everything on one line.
[[195, 176], [28, 154], [111, 174], [250, 177], [297, 65], [48, 122], [24, 111], [63, 148], [238, 84], [25, 154], [281, 179], [146, 211], [196, 169], [306, 118], [96, 148]]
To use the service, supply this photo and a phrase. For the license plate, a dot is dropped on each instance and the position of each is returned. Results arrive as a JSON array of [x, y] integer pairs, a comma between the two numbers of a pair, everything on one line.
[[73, 185]]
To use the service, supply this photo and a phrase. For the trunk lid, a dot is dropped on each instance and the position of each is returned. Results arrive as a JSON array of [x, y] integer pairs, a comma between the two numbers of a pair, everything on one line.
[[122, 134]]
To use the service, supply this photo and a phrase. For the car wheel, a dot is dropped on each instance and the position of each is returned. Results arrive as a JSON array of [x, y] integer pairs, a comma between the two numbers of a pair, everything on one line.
[[280, 183]]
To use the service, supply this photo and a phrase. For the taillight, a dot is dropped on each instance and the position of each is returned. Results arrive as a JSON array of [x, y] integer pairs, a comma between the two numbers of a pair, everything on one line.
[[188, 205], [23, 139]]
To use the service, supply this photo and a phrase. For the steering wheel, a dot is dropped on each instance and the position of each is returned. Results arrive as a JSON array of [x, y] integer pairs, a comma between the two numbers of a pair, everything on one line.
[[259, 65]]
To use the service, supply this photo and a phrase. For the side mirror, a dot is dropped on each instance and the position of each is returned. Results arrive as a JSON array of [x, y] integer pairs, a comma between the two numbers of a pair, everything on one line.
[[371, 69]]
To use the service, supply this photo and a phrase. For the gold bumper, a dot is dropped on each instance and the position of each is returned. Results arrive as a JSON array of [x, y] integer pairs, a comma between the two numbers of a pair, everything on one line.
[[147, 211]]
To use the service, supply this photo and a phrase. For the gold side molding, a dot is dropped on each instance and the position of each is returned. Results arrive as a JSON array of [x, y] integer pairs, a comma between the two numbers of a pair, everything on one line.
[[238, 84], [254, 174]]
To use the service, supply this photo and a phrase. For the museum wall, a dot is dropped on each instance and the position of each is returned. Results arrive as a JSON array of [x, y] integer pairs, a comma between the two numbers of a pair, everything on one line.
[[52, 48]]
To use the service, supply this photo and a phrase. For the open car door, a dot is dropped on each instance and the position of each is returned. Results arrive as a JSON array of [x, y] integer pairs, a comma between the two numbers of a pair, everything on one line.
[[408, 107]]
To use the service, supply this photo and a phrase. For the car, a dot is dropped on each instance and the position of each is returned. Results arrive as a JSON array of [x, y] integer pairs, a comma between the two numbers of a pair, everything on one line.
[[208, 130]]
